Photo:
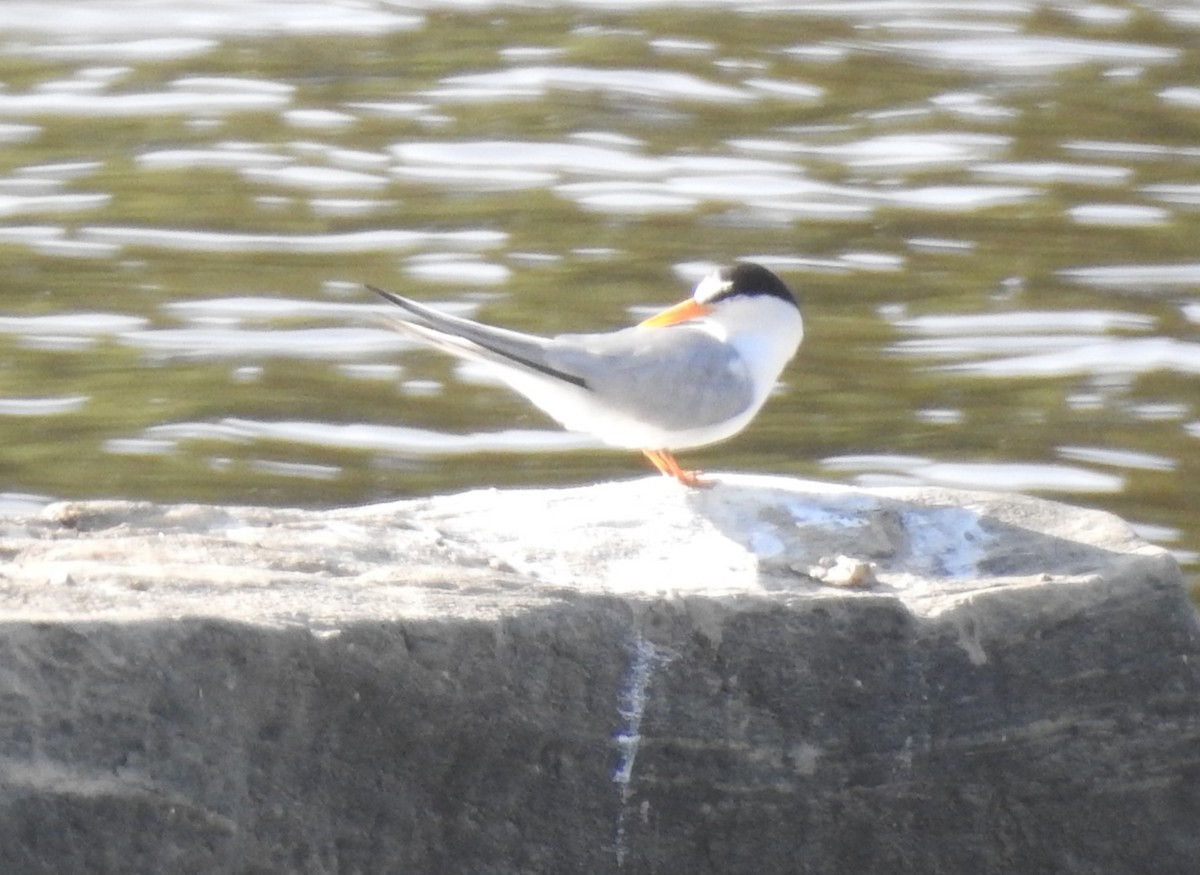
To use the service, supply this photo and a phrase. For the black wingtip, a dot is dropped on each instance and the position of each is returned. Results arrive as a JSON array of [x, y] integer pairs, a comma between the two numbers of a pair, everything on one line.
[[384, 293]]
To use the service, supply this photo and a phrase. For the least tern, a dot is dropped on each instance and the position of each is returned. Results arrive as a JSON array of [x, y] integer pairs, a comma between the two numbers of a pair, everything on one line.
[[694, 374]]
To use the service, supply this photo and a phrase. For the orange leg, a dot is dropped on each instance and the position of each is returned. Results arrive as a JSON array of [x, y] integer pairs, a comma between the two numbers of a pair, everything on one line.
[[665, 462]]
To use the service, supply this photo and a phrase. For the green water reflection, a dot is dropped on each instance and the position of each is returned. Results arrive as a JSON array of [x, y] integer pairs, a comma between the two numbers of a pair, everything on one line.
[[862, 262]]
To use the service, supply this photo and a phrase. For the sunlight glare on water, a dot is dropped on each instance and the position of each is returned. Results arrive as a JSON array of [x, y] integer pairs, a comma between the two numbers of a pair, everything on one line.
[[989, 211]]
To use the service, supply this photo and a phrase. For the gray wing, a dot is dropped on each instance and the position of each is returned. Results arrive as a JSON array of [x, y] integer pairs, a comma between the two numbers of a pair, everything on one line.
[[677, 377], [468, 339]]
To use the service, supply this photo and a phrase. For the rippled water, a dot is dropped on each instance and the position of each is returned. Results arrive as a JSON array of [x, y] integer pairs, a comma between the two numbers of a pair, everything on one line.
[[991, 211]]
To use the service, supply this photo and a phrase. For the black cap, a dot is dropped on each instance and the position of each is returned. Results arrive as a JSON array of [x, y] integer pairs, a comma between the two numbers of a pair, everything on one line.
[[748, 279]]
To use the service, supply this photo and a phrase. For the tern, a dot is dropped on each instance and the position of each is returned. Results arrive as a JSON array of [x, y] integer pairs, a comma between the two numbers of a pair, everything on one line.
[[693, 374]]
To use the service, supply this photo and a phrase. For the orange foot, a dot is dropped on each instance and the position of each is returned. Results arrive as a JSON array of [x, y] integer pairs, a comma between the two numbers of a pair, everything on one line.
[[665, 462]]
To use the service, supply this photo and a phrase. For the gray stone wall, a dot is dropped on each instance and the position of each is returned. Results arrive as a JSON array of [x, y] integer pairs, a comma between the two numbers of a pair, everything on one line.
[[629, 678]]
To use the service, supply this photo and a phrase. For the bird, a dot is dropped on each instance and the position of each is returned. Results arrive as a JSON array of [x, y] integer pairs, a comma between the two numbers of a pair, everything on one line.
[[693, 374]]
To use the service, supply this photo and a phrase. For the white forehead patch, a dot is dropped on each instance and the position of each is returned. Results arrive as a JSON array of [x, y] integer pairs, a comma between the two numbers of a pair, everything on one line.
[[711, 286]]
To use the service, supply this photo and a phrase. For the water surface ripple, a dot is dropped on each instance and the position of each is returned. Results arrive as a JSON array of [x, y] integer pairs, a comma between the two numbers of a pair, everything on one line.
[[990, 211]]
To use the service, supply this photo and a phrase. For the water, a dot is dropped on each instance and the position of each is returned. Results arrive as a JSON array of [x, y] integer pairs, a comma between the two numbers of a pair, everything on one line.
[[991, 212]]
